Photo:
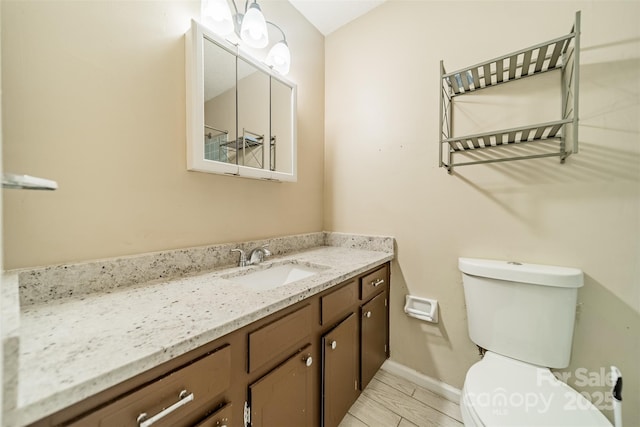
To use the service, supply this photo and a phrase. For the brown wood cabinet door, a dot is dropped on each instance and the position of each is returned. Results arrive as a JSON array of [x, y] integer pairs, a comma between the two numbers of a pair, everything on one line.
[[340, 371], [373, 339], [283, 397]]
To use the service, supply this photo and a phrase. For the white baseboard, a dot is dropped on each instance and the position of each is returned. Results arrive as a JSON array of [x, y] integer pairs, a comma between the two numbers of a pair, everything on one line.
[[438, 387]]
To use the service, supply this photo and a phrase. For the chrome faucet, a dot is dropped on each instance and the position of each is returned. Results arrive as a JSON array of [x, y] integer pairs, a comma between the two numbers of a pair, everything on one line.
[[256, 256]]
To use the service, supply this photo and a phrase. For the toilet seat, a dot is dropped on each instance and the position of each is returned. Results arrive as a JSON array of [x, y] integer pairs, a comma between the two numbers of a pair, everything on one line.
[[500, 391]]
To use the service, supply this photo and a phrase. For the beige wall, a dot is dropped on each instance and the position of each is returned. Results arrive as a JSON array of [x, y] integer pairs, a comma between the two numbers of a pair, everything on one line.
[[382, 175], [95, 99]]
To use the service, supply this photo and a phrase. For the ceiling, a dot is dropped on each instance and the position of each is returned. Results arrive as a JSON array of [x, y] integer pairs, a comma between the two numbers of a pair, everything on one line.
[[329, 15]]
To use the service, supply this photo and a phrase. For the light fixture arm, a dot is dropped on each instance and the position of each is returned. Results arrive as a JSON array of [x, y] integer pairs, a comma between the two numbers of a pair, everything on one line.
[[233, 2], [284, 37], [237, 17]]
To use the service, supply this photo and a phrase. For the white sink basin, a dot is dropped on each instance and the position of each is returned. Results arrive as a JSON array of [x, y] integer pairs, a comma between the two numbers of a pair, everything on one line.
[[275, 276]]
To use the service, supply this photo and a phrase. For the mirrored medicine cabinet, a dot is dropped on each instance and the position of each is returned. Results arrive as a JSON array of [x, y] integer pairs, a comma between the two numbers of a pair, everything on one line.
[[241, 115]]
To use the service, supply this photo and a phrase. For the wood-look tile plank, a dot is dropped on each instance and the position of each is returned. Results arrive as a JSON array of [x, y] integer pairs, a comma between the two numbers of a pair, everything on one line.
[[372, 413], [407, 407], [400, 384], [405, 423], [351, 421], [438, 403]]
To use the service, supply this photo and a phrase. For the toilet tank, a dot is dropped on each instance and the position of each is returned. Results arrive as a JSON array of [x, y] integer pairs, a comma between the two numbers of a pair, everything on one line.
[[522, 311]]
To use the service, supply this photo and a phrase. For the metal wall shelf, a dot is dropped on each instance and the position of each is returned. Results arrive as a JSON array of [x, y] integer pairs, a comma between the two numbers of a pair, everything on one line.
[[560, 53]]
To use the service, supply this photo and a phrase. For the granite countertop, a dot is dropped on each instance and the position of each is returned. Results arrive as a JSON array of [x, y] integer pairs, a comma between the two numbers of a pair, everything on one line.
[[71, 348]]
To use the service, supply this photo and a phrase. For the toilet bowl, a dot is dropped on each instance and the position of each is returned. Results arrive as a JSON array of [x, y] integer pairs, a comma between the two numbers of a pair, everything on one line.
[[523, 316], [500, 391]]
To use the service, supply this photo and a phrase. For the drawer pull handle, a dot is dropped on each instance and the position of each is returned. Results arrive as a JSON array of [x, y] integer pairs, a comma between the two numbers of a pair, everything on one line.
[[184, 399], [376, 283], [333, 345], [308, 361], [367, 314]]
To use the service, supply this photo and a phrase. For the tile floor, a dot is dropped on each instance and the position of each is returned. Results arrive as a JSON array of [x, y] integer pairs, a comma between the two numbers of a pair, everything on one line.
[[391, 401]]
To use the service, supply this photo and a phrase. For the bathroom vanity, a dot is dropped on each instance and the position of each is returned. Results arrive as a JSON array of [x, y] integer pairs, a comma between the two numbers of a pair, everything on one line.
[[295, 355]]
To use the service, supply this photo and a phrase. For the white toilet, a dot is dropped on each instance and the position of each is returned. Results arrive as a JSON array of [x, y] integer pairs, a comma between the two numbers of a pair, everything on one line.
[[523, 316]]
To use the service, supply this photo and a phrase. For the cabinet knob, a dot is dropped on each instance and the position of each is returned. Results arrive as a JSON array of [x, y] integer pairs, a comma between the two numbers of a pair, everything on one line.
[[367, 314], [308, 361], [333, 345]]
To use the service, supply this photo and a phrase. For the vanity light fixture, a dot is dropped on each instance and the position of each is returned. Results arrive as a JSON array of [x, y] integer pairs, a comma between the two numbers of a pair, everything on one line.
[[250, 28], [254, 27], [279, 56], [217, 16]]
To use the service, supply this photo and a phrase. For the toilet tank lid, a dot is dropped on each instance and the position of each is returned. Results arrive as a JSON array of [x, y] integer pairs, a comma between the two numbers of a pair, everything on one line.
[[546, 275]]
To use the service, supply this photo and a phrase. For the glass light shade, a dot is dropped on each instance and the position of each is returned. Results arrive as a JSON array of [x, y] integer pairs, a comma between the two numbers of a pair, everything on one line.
[[217, 16], [279, 57], [254, 28]]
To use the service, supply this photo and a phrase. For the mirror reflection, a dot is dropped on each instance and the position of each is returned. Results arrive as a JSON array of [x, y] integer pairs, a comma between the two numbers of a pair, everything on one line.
[[253, 115], [219, 103]]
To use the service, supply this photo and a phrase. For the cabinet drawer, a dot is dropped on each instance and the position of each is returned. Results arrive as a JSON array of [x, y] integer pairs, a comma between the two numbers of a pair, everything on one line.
[[338, 302], [220, 418], [279, 337], [172, 399], [374, 282]]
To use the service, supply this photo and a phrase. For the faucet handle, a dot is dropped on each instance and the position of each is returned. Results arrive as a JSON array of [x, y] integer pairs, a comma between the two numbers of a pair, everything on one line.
[[243, 257], [267, 252]]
